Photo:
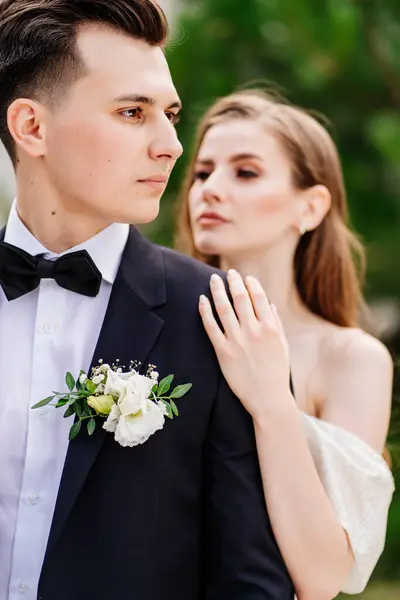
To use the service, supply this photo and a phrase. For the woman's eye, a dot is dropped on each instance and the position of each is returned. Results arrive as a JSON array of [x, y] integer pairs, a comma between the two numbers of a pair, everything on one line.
[[201, 175], [246, 174], [132, 113], [173, 117]]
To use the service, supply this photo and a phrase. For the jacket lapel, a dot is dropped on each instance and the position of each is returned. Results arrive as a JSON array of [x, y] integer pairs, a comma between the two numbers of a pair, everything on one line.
[[130, 330]]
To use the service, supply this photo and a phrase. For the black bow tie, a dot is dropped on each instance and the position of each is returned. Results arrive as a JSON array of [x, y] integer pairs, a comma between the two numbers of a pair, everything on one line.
[[21, 272]]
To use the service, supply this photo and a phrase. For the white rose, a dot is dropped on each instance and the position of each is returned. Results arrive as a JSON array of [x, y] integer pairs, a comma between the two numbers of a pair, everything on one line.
[[132, 430], [114, 384], [131, 390], [135, 396]]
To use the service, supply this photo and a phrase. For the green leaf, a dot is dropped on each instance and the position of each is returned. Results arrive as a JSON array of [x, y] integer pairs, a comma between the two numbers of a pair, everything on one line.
[[90, 386], [69, 412], [181, 390], [164, 385], [174, 408], [73, 399], [169, 410], [75, 429], [43, 402], [70, 381], [91, 426], [154, 389], [62, 402], [86, 410], [78, 409]]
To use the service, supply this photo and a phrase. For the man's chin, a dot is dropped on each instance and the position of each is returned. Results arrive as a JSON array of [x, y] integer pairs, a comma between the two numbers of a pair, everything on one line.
[[148, 218], [140, 217]]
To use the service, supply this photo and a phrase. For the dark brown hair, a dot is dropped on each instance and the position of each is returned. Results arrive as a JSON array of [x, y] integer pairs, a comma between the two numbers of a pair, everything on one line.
[[38, 54], [325, 264]]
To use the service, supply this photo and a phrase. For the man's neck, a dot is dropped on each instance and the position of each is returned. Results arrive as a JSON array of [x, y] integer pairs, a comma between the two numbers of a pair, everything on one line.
[[48, 219]]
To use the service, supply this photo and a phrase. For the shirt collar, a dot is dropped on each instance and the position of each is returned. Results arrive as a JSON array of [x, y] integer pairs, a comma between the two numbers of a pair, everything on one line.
[[105, 248]]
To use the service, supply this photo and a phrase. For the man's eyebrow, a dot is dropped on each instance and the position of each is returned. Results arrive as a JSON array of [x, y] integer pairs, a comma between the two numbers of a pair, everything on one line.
[[136, 98], [177, 104]]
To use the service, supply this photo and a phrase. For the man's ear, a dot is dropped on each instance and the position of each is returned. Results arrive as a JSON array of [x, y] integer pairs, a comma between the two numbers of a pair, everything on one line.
[[25, 120]]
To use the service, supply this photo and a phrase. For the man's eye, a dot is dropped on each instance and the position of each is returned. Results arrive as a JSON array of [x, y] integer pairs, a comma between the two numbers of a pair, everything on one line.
[[173, 118], [132, 113]]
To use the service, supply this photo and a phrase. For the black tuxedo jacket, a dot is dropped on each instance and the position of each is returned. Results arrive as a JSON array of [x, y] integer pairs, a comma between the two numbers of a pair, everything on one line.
[[181, 517]]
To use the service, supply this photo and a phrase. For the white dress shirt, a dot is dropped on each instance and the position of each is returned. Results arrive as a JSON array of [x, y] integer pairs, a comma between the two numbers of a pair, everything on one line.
[[43, 335]]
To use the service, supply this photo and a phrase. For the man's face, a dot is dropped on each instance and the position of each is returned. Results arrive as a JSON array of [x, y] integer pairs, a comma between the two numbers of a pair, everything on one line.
[[112, 144]]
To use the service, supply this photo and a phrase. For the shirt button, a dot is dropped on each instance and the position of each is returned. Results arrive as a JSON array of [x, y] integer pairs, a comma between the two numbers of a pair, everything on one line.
[[33, 499], [42, 412], [23, 588], [48, 328]]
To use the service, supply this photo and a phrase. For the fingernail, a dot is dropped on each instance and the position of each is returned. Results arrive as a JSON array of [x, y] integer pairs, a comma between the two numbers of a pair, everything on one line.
[[215, 278], [233, 273], [203, 299]]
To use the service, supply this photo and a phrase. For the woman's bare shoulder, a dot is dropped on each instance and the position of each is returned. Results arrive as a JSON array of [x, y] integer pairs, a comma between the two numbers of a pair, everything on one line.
[[344, 348], [357, 376]]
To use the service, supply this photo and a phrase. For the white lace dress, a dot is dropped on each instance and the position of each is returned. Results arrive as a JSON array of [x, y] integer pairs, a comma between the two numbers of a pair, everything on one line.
[[360, 486]]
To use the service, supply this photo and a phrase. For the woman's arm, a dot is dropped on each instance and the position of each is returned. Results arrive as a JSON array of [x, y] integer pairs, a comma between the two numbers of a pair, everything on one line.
[[312, 541], [359, 386], [254, 360]]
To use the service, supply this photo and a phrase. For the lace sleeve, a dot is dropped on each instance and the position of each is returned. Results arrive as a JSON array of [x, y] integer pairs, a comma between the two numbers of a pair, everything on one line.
[[360, 486]]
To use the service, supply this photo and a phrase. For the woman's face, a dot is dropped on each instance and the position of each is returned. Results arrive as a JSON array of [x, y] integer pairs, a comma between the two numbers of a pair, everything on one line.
[[242, 200]]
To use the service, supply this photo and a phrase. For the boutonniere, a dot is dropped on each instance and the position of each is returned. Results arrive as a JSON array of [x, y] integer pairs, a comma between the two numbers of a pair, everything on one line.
[[133, 406]]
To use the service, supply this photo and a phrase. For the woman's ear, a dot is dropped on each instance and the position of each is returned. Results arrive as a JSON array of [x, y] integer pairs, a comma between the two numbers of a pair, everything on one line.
[[315, 204]]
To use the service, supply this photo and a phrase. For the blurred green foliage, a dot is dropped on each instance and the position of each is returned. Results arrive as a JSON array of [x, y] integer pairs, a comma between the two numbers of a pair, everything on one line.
[[379, 591], [339, 57]]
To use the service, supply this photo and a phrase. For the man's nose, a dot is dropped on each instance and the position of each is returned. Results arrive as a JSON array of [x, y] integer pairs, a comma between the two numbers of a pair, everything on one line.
[[166, 144]]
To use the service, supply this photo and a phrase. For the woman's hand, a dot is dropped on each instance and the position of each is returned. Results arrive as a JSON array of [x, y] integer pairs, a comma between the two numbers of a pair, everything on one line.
[[252, 350]]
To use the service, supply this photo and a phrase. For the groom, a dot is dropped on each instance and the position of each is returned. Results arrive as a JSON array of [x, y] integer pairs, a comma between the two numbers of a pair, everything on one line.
[[87, 114]]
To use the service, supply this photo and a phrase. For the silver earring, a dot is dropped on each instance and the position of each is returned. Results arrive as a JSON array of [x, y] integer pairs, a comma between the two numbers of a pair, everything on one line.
[[302, 229]]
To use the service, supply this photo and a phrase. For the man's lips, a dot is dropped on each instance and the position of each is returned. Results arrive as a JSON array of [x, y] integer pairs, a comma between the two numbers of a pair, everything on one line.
[[157, 182]]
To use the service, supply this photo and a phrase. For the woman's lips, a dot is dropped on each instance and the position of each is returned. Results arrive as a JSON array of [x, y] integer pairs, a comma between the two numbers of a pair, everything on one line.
[[211, 219]]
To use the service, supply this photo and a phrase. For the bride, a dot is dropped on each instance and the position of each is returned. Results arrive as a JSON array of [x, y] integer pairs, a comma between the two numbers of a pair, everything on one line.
[[264, 200]]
